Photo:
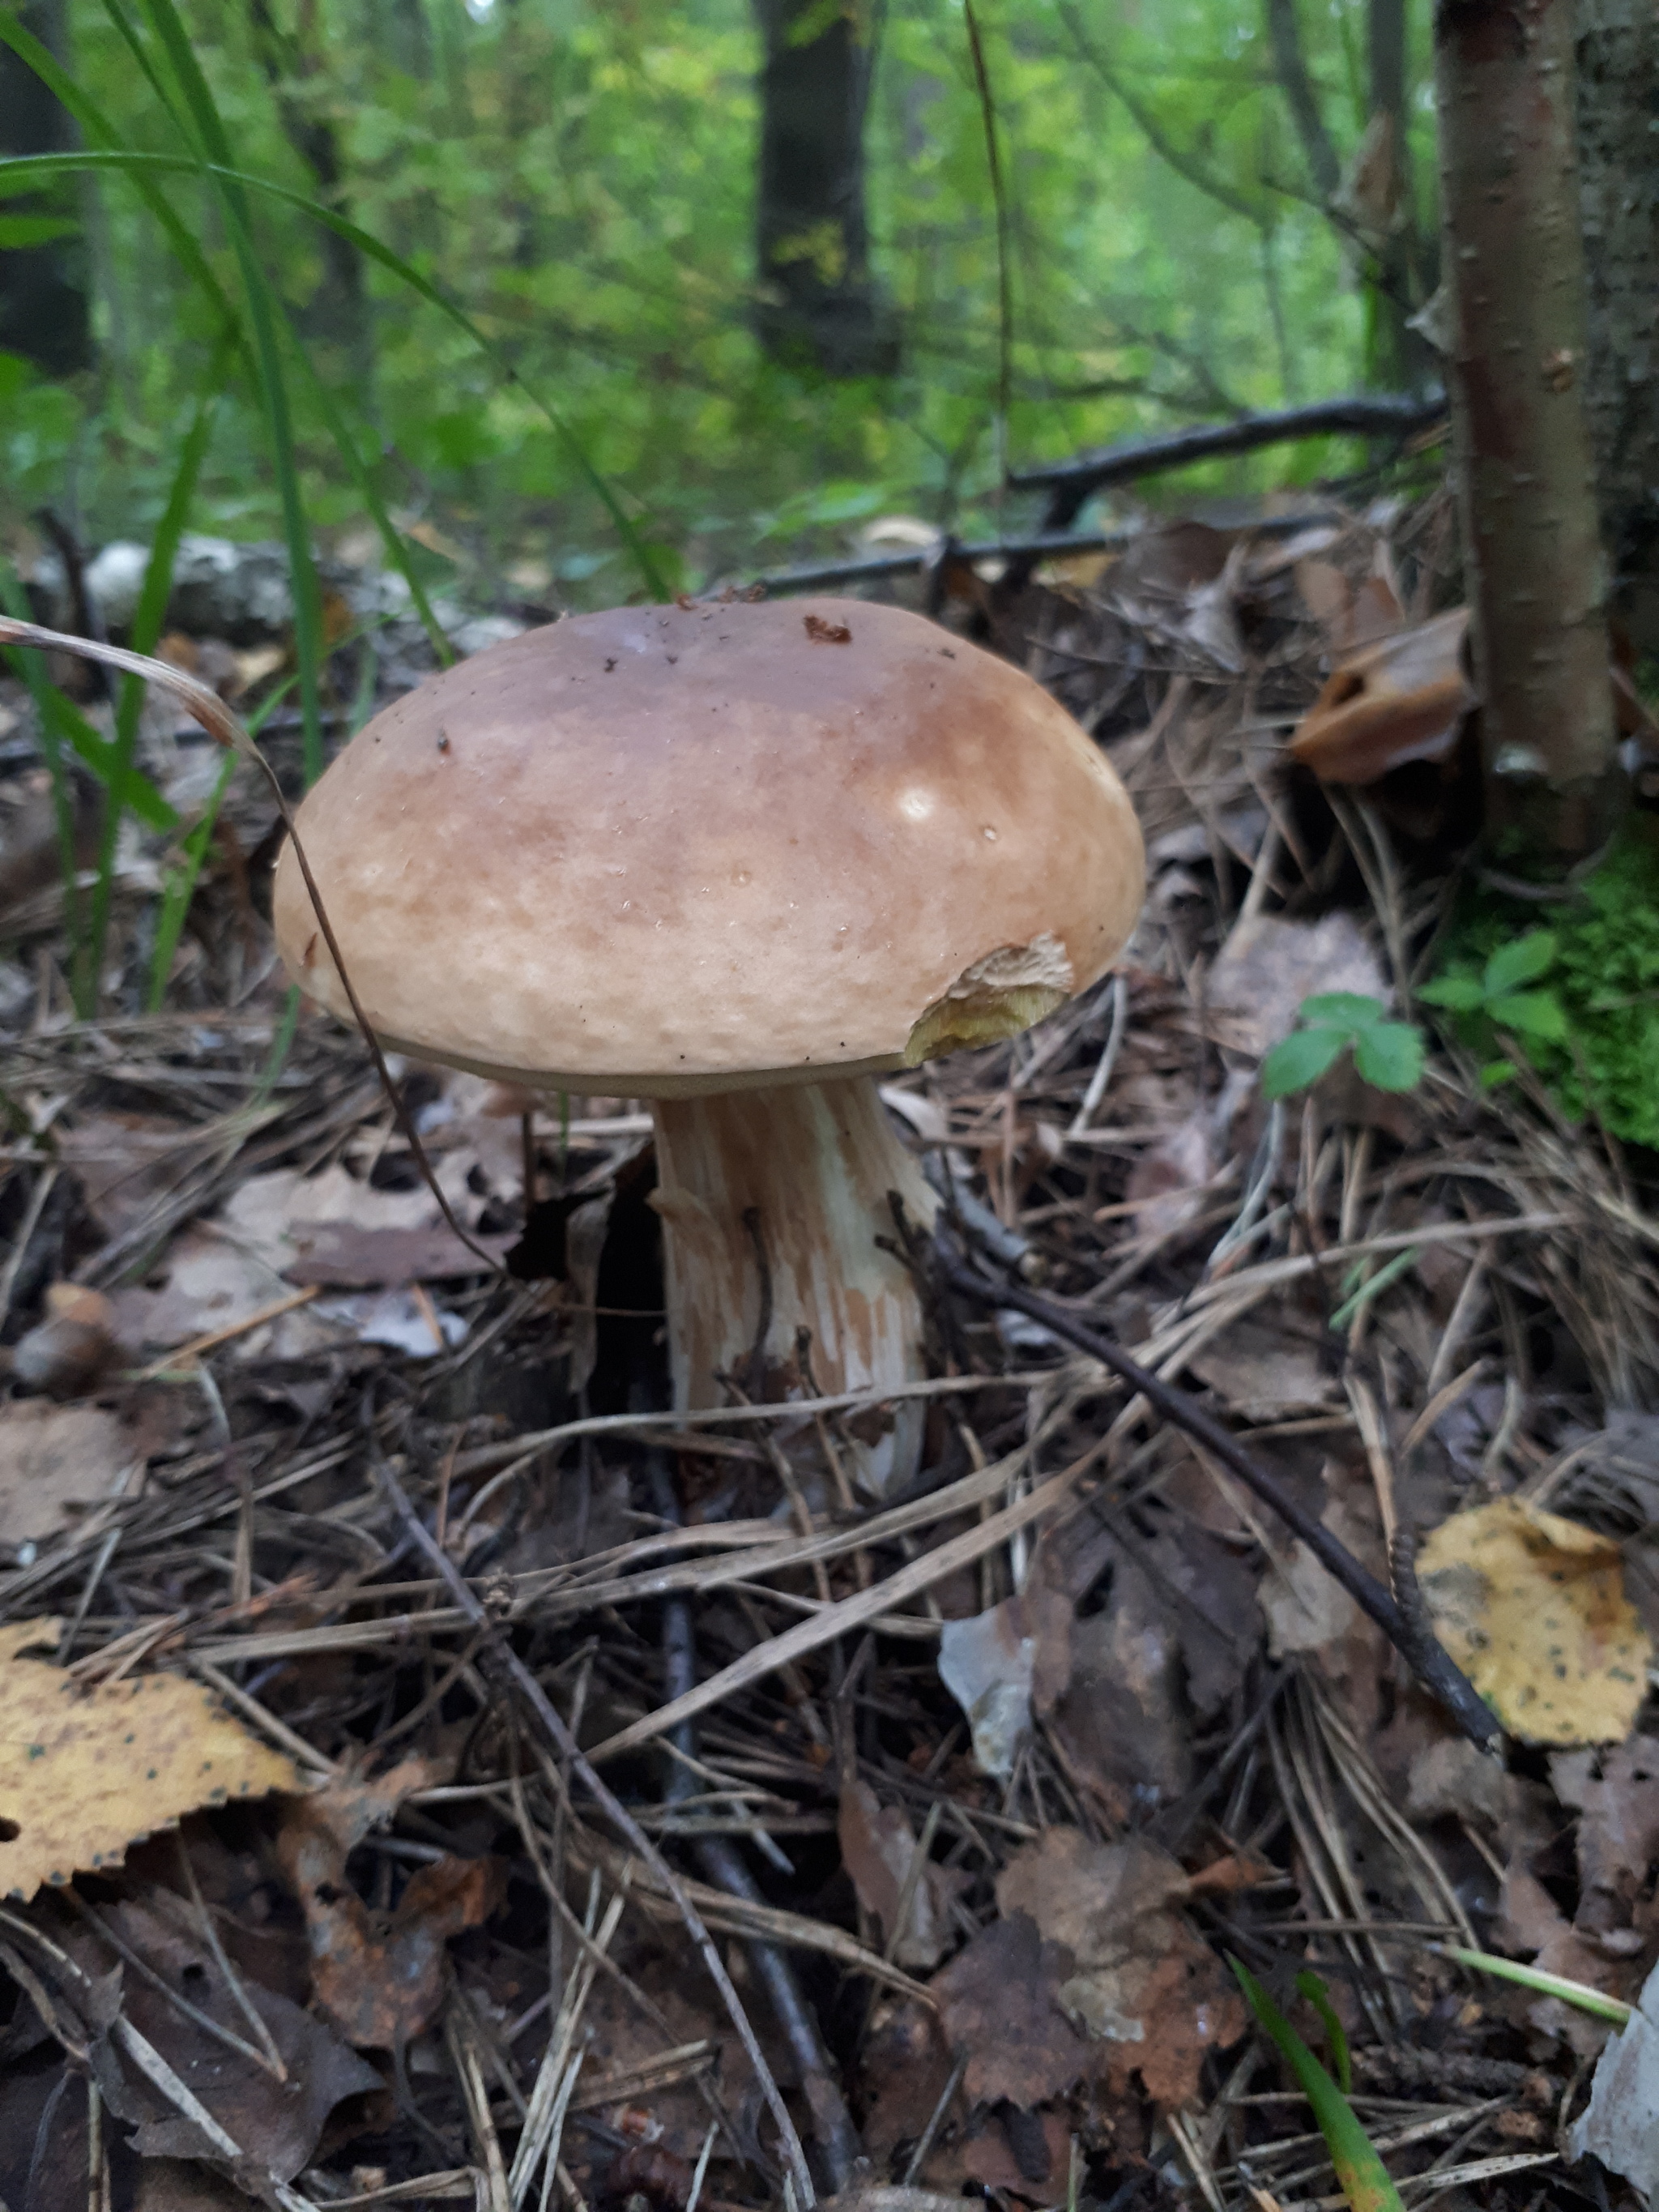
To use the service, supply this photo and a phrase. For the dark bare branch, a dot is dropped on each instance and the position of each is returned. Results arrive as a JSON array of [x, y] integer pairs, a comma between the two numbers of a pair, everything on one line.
[[1290, 67]]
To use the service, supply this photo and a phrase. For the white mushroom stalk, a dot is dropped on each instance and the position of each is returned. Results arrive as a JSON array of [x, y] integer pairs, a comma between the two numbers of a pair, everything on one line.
[[772, 1205]]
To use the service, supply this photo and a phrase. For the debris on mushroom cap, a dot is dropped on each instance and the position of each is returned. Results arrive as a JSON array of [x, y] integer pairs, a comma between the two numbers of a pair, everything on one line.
[[665, 849], [1401, 700]]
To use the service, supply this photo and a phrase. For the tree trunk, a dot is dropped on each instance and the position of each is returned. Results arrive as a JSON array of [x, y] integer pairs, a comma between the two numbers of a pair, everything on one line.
[[1403, 360], [1514, 262], [819, 305], [1290, 68], [44, 312], [1618, 177]]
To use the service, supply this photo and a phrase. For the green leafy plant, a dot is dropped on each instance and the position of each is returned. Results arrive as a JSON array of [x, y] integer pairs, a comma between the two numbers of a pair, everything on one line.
[[1364, 2178], [1494, 998], [1387, 1054]]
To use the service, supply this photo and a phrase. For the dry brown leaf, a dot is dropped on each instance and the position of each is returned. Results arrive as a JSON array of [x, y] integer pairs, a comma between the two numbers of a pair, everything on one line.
[[999, 1665], [68, 1353], [86, 1771], [340, 1253], [1265, 1372], [1142, 1982], [1268, 966], [53, 1461], [1121, 1719], [988, 2155], [876, 1848], [1532, 1606], [1351, 615], [903, 2067], [1212, 1590], [1401, 700], [1000, 2004], [1532, 1920], [1621, 2123], [380, 1977], [1619, 1826], [124, 1162], [277, 2124]]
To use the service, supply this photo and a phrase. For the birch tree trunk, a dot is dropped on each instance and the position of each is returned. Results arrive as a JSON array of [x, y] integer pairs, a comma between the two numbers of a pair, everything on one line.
[[1513, 263], [1618, 58]]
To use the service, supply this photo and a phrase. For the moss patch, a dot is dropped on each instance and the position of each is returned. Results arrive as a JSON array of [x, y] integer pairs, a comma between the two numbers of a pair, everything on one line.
[[1606, 975]]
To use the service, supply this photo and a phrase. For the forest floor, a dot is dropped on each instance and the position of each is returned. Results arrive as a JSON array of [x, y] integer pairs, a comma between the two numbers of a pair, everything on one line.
[[1056, 1732]]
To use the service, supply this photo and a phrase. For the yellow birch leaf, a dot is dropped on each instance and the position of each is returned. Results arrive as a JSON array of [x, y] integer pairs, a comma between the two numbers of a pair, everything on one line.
[[1532, 1607], [85, 1770]]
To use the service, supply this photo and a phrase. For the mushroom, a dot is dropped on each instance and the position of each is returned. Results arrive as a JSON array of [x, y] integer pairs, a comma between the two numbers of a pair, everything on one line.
[[738, 859]]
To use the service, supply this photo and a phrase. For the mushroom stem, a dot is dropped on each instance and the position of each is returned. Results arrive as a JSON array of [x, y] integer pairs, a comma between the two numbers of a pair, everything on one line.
[[771, 1203]]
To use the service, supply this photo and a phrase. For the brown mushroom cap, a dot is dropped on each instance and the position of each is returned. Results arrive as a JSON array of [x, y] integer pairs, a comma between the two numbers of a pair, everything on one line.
[[669, 850]]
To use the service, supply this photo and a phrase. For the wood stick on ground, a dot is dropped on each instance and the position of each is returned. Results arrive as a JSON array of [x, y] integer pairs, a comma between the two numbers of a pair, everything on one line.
[[1416, 1645]]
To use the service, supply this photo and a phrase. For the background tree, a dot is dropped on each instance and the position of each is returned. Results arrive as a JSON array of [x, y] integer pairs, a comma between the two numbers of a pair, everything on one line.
[[1369, 197], [44, 310], [295, 68], [1618, 114], [1533, 564], [818, 301]]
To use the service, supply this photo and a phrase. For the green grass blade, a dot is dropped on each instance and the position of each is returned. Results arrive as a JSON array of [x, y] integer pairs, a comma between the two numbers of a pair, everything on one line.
[[138, 168], [391, 537], [24, 168], [147, 617], [282, 1044], [1388, 1274], [1596, 2002], [264, 315], [140, 797], [1308, 1985], [1364, 2178], [179, 888]]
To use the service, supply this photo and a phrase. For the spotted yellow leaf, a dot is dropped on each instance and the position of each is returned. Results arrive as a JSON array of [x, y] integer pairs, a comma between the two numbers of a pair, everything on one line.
[[1532, 1606], [85, 1770]]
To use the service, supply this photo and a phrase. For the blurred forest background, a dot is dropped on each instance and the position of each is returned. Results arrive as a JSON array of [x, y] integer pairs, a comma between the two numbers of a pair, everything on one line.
[[753, 257]]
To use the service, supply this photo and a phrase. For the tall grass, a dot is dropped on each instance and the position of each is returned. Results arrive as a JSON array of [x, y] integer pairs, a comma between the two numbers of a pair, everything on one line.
[[258, 346]]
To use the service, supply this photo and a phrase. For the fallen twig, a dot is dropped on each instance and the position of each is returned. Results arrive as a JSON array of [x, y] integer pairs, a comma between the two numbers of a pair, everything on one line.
[[498, 1655], [1370, 415], [1411, 1638]]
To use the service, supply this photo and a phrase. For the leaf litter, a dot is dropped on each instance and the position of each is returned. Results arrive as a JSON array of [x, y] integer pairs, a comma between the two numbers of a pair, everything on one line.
[[1000, 1827], [89, 1767]]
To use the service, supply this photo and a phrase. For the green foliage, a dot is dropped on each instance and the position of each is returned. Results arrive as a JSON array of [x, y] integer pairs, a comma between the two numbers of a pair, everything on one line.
[[1364, 2178], [40, 424], [1388, 1055], [1579, 1001], [576, 181], [1489, 999]]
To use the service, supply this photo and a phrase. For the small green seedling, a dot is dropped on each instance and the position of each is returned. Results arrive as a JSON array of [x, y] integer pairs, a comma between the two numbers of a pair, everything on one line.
[[1485, 1000], [1365, 2180], [1388, 1054]]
